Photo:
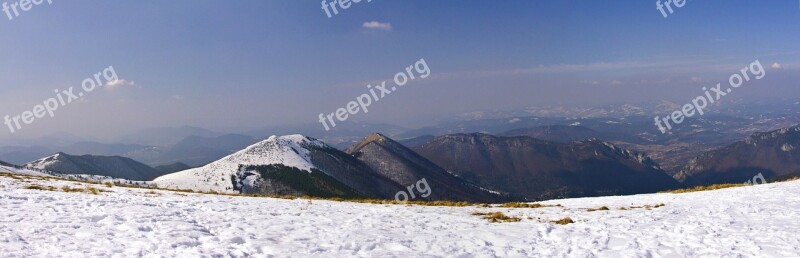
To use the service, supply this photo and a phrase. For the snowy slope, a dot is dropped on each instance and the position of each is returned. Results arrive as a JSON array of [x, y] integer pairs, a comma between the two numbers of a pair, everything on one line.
[[79, 177], [290, 150], [756, 221], [13, 170]]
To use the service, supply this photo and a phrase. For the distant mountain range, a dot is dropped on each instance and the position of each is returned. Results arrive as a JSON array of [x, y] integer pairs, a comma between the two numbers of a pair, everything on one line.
[[566, 133], [525, 156], [774, 154], [165, 136], [473, 167], [537, 169], [280, 165], [192, 150]]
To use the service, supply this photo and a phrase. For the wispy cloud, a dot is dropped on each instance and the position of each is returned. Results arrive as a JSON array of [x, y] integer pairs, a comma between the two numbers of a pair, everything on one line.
[[116, 84], [376, 25]]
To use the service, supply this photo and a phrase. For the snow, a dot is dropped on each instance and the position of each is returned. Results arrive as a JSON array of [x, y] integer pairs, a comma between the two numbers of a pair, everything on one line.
[[753, 221], [45, 162], [290, 150], [14, 170]]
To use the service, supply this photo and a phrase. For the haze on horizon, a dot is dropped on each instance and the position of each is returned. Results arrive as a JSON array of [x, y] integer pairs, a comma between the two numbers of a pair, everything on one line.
[[236, 66]]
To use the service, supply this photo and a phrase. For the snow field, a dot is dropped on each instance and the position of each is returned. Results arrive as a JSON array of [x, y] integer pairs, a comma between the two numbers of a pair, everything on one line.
[[748, 221]]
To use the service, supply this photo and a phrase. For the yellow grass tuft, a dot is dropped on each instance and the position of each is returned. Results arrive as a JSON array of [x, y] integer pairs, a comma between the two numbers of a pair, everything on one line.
[[603, 208], [563, 221], [496, 217]]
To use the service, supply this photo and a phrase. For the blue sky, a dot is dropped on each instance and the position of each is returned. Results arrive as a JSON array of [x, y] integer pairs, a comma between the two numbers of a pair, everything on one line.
[[239, 65]]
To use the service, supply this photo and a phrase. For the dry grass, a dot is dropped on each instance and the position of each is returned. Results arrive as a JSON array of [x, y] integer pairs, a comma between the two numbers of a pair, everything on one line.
[[563, 221], [66, 189], [189, 191], [705, 188], [40, 187], [791, 179], [521, 205], [603, 208], [152, 193], [22, 178], [496, 217], [89, 190]]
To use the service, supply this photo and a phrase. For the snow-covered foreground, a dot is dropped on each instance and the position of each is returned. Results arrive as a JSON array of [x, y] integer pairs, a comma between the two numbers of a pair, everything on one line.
[[750, 221]]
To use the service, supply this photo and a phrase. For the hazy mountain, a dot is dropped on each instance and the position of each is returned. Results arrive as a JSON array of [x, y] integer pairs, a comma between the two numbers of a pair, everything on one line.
[[197, 151], [172, 168], [773, 154], [165, 136], [6, 164], [729, 106], [101, 149], [114, 166], [249, 170], [416, 141], [538, 169], [22, 155], [342, 129], [402, 165], [58, 139], [557, 133]]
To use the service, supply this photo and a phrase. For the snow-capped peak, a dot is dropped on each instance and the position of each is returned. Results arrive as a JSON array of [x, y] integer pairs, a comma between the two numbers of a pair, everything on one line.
[[289, 150]]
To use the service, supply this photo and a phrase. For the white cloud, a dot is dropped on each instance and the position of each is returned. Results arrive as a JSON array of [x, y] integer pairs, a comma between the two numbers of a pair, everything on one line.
[[776, 66], [178, 97], [377, 25], [617, 82], [119, 84]]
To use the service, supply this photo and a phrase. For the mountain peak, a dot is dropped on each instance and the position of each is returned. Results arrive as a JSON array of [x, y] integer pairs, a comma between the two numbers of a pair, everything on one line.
[[375, 138], [112, 166], [288, 150]]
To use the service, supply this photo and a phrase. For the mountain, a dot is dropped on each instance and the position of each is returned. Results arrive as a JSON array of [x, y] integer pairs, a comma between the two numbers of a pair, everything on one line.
[[344, 129], [537, 169], [557, 133], [6, 164], [165, 136], [773, 154], [172, 168], [101, 149], [112, 166], [280, 180], [198, 151], [57, 139], [404, 166], [249, 171], [345, 134], [21, 155], [13, 169], [416, 141]]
